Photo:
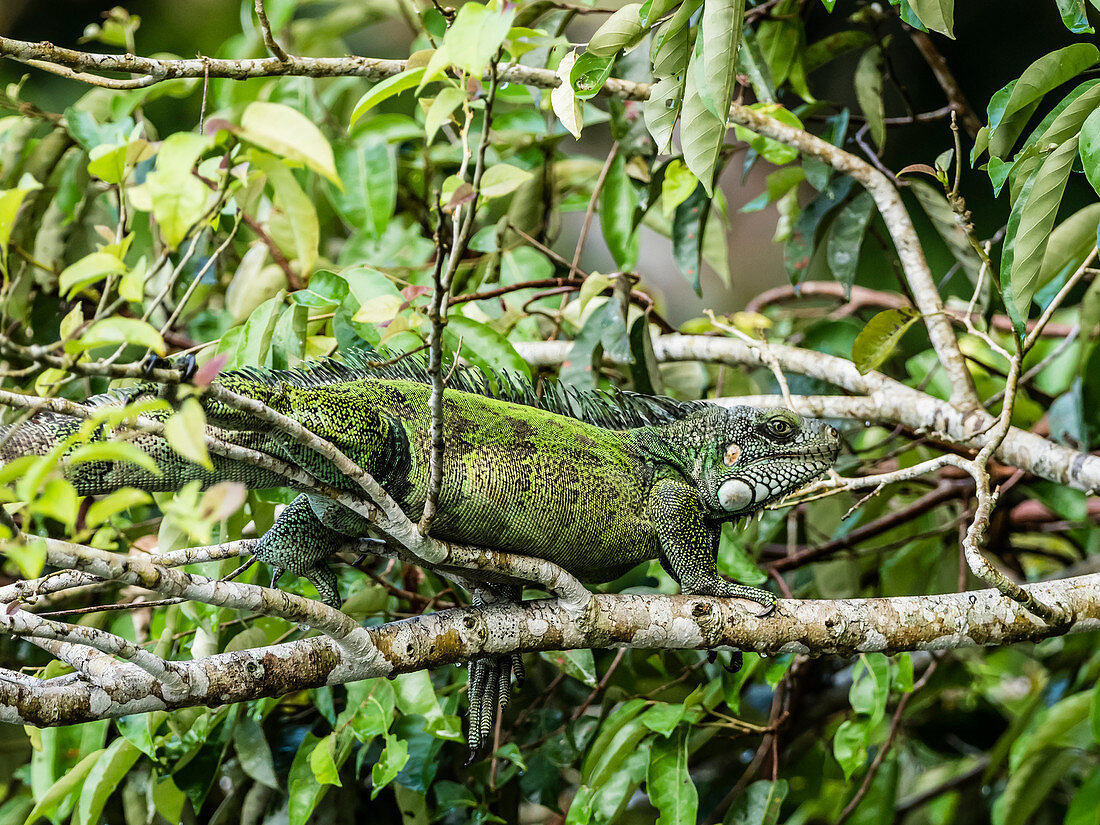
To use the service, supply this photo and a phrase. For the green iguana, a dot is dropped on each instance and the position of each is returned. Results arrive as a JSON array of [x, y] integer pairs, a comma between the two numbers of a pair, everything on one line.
[[595, 482]]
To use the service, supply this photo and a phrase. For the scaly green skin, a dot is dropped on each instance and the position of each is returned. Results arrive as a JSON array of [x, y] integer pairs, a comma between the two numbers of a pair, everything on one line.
[[516, 478]]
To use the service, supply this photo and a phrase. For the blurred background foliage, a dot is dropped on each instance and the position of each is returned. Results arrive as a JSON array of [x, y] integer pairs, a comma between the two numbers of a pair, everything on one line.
[[300, 220]]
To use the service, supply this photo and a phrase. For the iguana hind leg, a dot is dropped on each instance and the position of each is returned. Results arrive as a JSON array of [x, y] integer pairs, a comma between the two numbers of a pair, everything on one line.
[[489, 687]]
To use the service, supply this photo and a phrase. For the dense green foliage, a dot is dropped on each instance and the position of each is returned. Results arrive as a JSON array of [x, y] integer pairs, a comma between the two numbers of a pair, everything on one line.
[[303, 216]]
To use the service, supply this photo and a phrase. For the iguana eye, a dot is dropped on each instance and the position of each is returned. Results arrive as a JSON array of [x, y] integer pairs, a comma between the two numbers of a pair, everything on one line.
[[733, 452], [779, 426]]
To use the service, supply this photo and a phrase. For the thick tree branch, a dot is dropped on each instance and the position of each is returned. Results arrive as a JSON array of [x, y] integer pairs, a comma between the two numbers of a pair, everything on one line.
[[844, 627]]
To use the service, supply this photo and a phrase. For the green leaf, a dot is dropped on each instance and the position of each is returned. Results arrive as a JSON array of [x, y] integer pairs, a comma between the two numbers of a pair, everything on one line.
[[771, 150], [483, 346], [1070, 243], [322, 763], [663, 717], [589, 74], [1075, 16], [669, 784], [617, 202], [1030, 784], [70, 784], [701, 131], [850, 745], [105, 777], [178, 197], [1094, 713], [580, 664], [119, 330], [660, 111], [1084, 808], [719, 39], [1029, 227], [878, 338], [619, 735], [1010, 108], [563, 99], [621, 30], [779, 40], [474, 38], [294, 222], [386, 89], [113, 451], [870, 687], [394, 756], [10, 201], [1090, 149], [303, 789], [936, 15], [846, 238], [678, 184], [448, 99], [369, 172], [502, 179], [288, 133], [115, 502], [253, 750], [939, 211], [88, 270], [868, 82], [185, 432], [687, 234], [759, 805]]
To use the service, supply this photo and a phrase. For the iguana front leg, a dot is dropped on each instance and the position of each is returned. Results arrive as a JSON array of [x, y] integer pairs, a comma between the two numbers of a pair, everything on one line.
[[686, 545], [299, 542]]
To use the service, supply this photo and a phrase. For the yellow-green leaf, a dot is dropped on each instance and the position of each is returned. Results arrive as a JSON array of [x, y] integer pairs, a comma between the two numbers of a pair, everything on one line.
[[621, 30], [113, 451], [387, 88], [186, 433], [501, 179], [119, 330], [564, 100], [878, 338], [290, 134], [88, 270]]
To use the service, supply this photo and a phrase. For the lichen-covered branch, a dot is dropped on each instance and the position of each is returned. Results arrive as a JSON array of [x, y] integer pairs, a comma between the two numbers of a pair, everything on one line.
[[844, 627]]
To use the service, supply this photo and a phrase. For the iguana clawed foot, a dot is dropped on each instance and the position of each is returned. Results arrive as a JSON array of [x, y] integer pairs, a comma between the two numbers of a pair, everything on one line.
[[489, 689]]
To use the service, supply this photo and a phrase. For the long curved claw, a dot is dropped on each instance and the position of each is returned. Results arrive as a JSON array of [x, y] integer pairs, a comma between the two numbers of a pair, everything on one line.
[[489, 690]]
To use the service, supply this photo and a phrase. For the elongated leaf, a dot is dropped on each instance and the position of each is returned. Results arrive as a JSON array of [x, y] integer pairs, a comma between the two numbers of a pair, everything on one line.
[[103, 779], [475, 36], [185, 432], [1029, 227], [621, 30], [617, 202], [720, 37], [1090, 149], [10, 201], [483, 346], [799, 249], [1070, 243], [113, 451], [118, 330], [666, 99], [1008, 114], [671, 790], [564, 100], [759, 805], [779, 39], [70, 783], [701, 131], [846, 238], [1074, 16], [939, 211], [387, 88], [877, 340], [288, 133], [294, 223], [88, 270], [869, 93], [937, 15], [369, 173], [589, 74], [687, 235]]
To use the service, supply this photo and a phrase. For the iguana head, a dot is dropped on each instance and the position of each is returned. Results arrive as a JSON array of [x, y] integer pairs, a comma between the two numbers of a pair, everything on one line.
[[753, 457]]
